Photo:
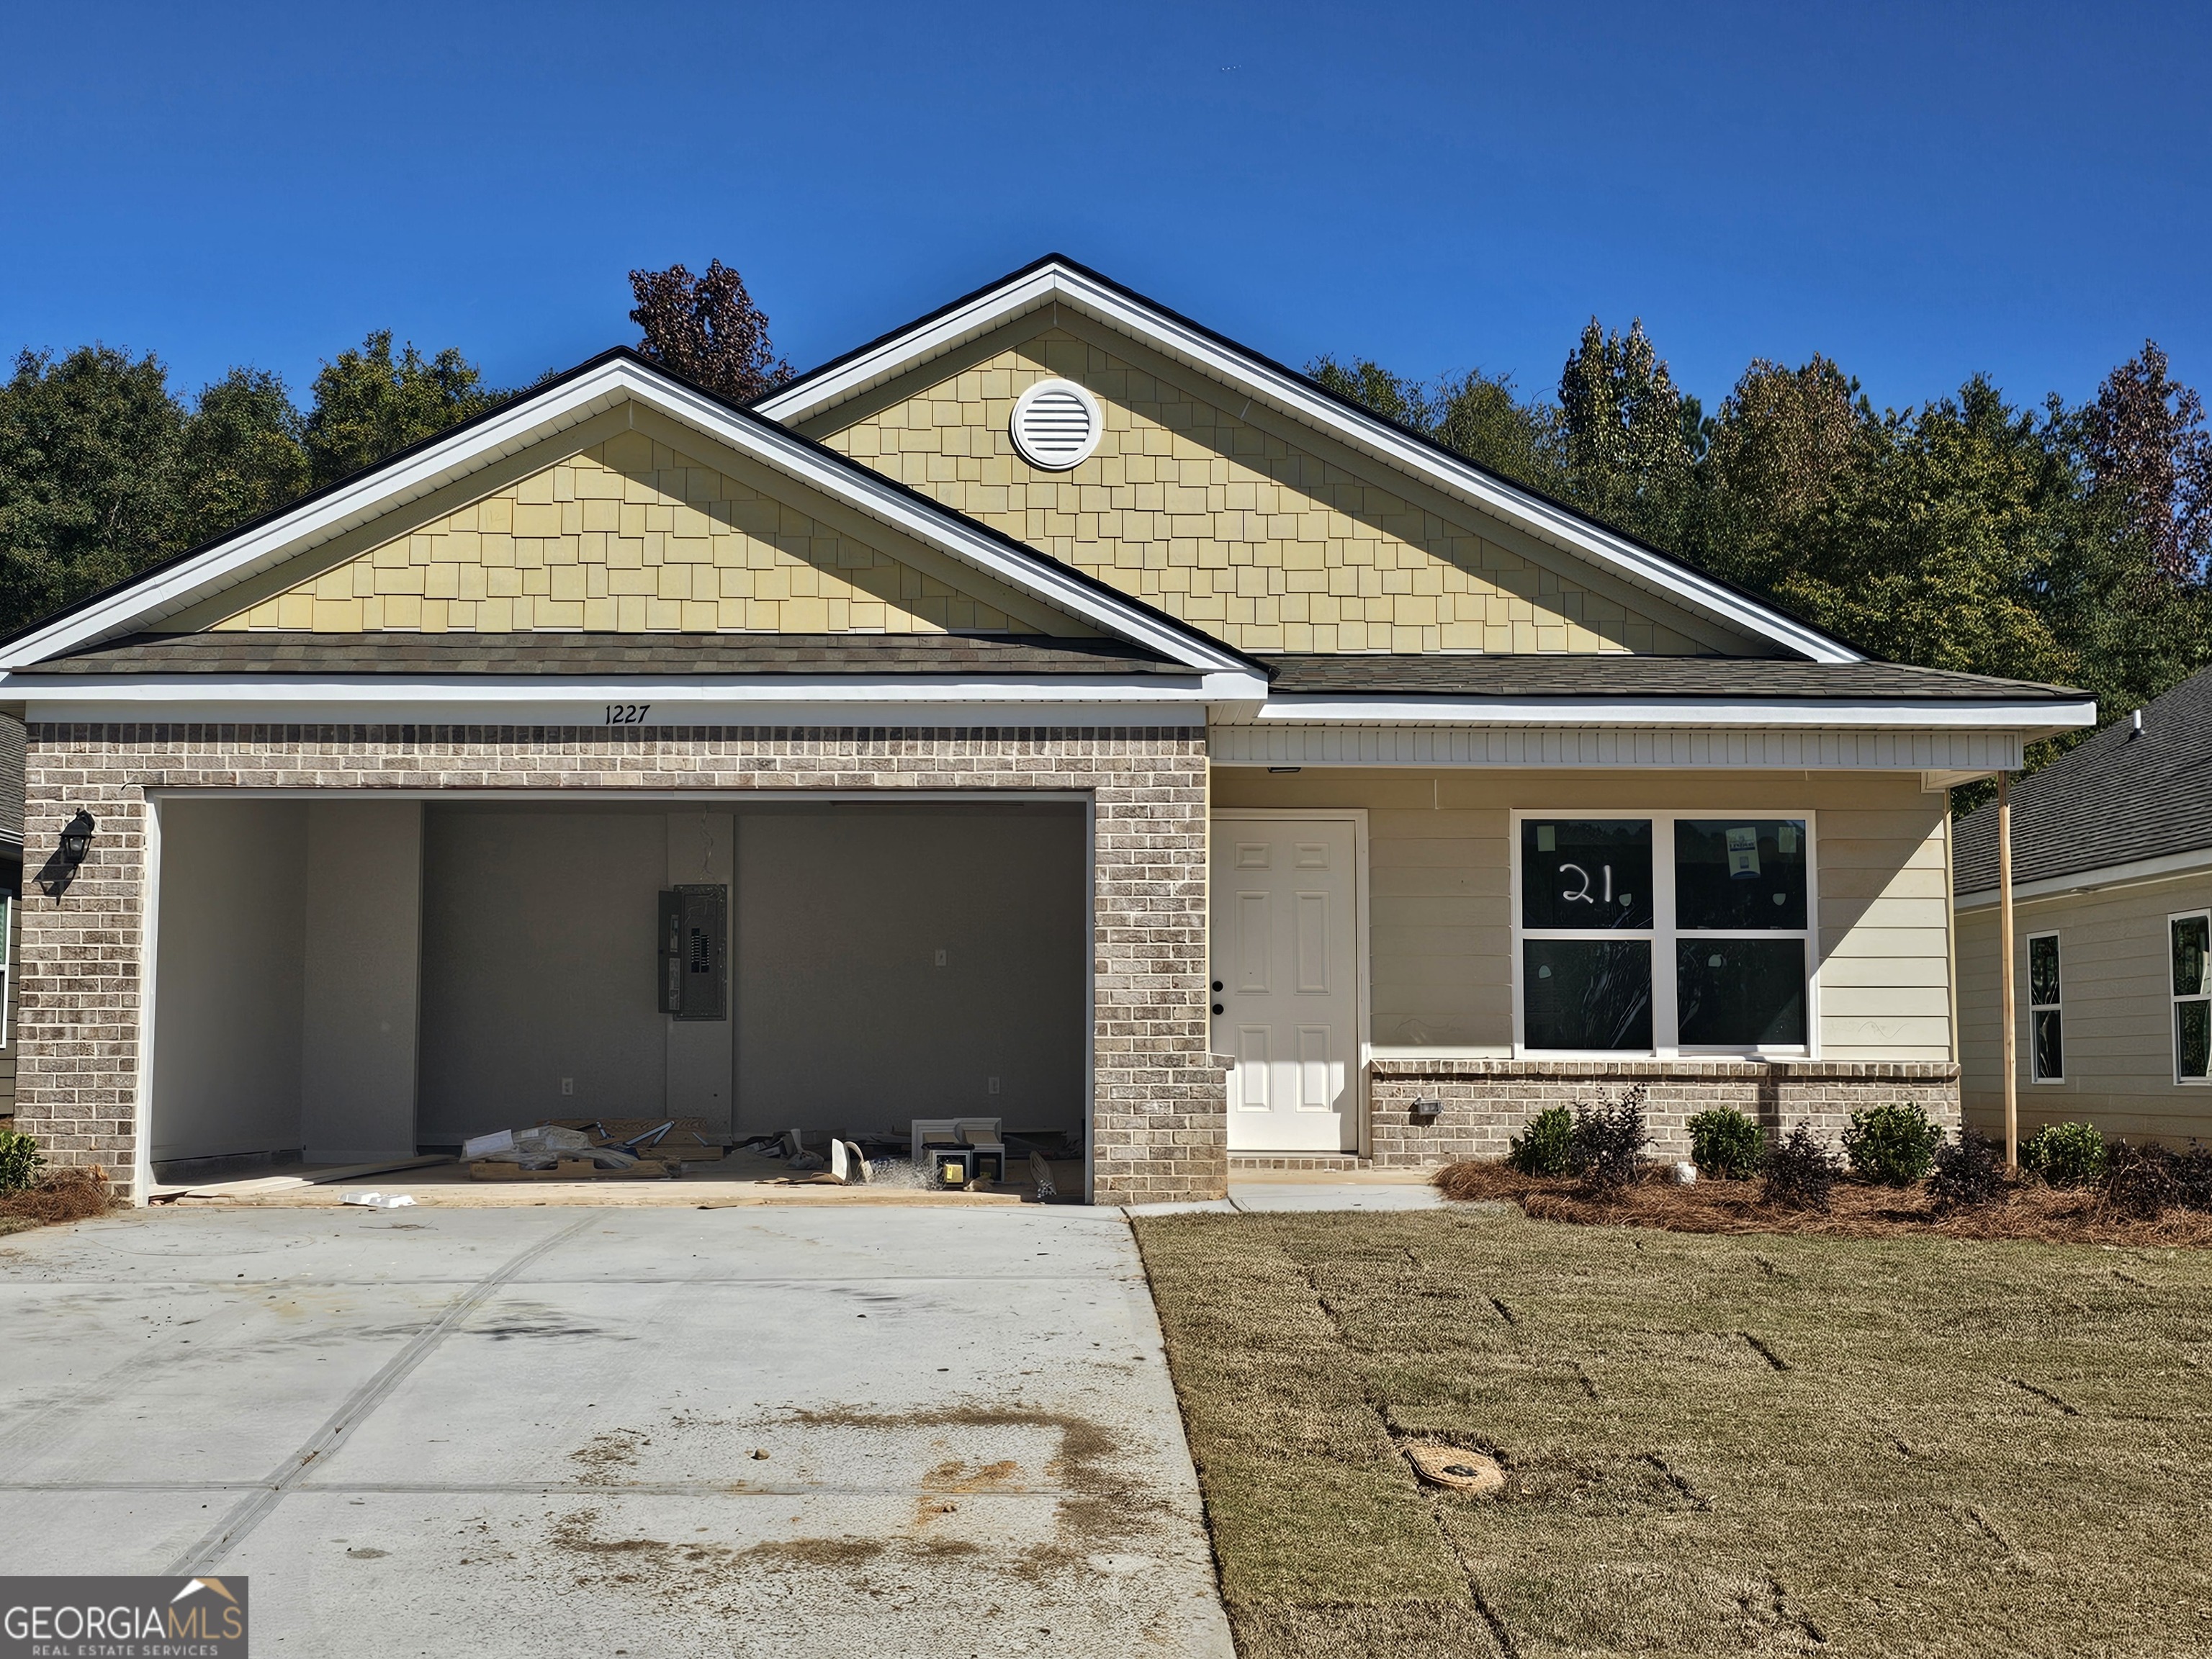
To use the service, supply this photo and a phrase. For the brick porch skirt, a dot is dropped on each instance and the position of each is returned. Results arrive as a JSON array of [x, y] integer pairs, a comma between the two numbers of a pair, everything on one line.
[[1486, 1101]]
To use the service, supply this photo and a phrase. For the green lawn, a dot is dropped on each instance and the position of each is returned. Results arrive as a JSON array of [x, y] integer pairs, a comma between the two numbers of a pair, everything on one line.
[[1717, 1445]]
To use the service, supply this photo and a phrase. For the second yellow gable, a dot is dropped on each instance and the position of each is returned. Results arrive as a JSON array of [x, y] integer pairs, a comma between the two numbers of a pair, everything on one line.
[[1192, 507], [630, 536]]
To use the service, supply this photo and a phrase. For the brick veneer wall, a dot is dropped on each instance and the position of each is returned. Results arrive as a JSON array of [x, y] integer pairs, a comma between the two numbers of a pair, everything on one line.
[[1159, 1127], [1486, 1101]]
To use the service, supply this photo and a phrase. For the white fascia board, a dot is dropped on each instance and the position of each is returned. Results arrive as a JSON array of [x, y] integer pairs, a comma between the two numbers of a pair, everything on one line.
[[294, 533], [2169, 867], [542, 700], [2040, 719], [1556, 524]]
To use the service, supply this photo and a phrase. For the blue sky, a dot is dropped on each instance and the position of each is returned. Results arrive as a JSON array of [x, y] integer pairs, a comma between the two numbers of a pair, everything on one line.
[[1918, 192]]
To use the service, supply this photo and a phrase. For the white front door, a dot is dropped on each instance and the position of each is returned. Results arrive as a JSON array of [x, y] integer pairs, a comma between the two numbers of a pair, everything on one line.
[[1286, 967]]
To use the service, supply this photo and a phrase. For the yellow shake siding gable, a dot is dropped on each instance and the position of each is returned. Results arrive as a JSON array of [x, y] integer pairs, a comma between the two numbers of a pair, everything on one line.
[[1228, 526], [628, 535]]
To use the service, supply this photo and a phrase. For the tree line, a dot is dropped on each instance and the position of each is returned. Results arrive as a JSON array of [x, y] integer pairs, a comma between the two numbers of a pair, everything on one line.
[[2065, 544]]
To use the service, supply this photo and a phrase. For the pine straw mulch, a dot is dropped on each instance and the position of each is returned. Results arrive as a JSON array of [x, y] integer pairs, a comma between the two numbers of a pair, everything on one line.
[[2029, 1210], [59, 1196]]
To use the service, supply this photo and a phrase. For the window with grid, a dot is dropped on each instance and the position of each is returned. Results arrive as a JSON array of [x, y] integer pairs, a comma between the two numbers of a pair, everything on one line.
[[2046, 1036], [2189, 937], [1665, 932]]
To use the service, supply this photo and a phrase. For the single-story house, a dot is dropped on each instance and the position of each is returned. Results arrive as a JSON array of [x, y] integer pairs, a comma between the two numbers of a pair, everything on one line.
[[1051, 708], [2111, 866]]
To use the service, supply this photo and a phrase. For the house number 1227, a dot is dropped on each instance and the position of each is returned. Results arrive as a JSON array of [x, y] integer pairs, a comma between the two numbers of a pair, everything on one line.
[[626, 713]]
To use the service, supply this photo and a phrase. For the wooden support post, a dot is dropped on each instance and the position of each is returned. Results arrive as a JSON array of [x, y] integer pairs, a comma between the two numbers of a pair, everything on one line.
[[2004, 944]]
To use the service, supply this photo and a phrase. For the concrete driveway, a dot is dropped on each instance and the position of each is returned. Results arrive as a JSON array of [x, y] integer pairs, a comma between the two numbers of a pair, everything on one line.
[[749, 1431]]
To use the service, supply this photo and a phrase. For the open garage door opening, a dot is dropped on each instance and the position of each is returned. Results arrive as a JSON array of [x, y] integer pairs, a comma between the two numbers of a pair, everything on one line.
[[339, 980]]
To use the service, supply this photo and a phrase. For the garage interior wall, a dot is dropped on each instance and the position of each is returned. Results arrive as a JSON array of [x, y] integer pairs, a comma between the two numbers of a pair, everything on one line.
[[285, 980], [848, 1016]]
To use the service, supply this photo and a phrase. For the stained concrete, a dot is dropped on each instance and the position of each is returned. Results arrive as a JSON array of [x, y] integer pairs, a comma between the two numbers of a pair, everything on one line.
[[522, 1432]]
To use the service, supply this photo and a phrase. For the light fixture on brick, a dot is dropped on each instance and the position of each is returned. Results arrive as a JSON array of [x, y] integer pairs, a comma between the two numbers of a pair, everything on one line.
[[1056, 425], [69, 849]]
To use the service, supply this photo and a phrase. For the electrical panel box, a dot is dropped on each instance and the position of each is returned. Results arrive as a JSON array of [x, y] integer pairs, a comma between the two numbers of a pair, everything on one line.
[[694, 948]]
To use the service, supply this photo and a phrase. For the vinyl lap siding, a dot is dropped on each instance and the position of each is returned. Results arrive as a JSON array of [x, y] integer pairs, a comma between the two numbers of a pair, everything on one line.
[[2117, 1003], [1441, 900]]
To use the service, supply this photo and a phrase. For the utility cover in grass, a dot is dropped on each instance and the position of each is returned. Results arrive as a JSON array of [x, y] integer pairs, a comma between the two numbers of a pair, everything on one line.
[[1454, 1467]]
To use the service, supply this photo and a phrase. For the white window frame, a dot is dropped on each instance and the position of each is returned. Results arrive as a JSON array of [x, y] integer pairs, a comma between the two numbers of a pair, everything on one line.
[[2174, 1002], [1662, 936], [2035, 1007]]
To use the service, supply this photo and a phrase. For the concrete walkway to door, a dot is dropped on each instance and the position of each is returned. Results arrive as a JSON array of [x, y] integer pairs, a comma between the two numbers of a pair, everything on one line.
[[737, 1431]]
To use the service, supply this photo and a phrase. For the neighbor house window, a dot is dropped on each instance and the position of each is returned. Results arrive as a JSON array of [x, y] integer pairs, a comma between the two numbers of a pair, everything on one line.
[[2190, 937], [1666, 931], [6, 963], [2046, 1040]]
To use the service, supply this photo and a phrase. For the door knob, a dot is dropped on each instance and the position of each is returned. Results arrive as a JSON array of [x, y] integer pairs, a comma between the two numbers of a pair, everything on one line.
[[1217, 985], [1217, 1007]]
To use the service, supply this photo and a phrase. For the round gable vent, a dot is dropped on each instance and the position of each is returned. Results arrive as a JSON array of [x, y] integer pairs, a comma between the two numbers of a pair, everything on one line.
[[1056, 425]]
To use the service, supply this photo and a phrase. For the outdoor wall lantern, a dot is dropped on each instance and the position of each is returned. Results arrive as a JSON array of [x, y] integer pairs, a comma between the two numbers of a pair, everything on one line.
[[73, 842]]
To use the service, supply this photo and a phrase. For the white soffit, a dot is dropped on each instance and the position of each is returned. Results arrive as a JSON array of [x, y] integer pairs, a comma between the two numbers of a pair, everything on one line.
[[1056, 282], [165, 593]]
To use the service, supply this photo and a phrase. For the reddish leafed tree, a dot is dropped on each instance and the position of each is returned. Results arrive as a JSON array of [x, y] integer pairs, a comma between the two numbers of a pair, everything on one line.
[[2146, 448], [707, 329]]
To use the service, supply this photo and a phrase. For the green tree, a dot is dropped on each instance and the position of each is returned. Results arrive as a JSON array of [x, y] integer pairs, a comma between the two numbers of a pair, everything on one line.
[[1624, 435], [1480, 415], [1776, 455], [369, 405], [88, 457], [240, 455]]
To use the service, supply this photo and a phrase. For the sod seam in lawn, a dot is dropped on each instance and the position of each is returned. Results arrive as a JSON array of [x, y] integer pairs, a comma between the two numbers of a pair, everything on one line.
[[1717, 1445]]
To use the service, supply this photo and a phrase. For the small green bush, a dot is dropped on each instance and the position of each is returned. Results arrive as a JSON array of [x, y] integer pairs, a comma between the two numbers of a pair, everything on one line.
[[1547, 1146], [20, 1162], [2065, 1154], [1725, 1145], [1892, 1145], [1801, 1172]]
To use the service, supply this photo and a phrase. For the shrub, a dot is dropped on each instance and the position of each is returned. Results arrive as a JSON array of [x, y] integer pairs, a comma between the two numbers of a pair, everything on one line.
[[1801, 1172], [20, 1162], [1968, 1174], [1894, 1146], [1725, 1145], [1547, 1146], [2065, 1154], [1609, 1141]]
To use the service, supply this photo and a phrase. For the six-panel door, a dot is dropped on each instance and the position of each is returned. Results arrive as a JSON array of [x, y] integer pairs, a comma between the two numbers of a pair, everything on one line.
[[1286, 967]]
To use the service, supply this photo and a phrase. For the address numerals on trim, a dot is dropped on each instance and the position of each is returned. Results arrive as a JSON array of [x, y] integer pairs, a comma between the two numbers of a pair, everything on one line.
[[626, 713]]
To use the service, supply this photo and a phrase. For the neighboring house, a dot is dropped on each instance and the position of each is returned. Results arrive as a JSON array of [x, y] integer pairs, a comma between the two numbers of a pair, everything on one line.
[[2111, 868], [1051, 710]]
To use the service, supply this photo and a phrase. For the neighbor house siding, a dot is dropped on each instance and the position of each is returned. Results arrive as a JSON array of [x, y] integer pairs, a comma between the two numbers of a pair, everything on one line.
[[2115, 1010], [632, 536], [1441, 900], [1270, 544]]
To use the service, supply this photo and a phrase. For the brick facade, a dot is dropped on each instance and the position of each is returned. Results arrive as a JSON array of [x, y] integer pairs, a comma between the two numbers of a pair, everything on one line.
[[1158, 1113], [1486, 1101]]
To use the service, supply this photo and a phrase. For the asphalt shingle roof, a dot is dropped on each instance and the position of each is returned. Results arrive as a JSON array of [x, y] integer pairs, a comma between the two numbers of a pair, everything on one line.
[[2118, 797], [1559, 675], [608, 654]]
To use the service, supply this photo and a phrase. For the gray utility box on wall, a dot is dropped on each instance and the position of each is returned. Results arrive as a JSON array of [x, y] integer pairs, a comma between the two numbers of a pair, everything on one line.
[[695, 936]]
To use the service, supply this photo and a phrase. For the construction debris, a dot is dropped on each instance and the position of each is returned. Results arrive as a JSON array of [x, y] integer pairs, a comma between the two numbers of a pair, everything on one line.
[[378, 1200], [590, 1149]]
